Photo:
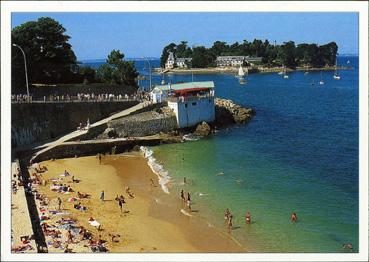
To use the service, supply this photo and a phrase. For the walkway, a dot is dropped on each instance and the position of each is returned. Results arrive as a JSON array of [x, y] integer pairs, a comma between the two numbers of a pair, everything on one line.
[[21, 221], [77, 133]]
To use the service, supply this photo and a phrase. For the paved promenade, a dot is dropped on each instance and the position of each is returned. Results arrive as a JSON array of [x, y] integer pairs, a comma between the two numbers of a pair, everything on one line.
[[21, 221], [77, 133]]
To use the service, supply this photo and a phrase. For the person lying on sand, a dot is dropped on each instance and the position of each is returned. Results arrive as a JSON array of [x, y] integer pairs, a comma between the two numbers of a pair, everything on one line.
[[128, 191], [83, 195], [113, 237]]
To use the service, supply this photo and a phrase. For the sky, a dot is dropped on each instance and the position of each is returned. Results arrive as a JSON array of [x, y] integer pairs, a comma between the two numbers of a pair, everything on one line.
[[94, 35]]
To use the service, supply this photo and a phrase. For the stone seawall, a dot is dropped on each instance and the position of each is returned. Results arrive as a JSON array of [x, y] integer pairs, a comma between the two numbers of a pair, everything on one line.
[[90, 148], [36, 122], [143, 124]]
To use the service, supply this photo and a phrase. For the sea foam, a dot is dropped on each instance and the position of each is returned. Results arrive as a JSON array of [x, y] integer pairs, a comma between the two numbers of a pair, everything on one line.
[[157, 168]]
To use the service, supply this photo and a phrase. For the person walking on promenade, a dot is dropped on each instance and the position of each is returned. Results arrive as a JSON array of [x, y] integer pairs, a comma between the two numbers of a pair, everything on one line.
[[59, 203], [102, 196]]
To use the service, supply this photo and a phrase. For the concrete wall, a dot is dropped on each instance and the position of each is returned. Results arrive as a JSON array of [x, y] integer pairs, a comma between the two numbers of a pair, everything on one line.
[[190, 113], [143, 124], [36, 122]]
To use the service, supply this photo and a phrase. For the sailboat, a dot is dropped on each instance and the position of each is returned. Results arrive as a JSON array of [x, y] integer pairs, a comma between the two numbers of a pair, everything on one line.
[[285, 76], [335, 75], [241, 75], [321, 82], [163, 80]]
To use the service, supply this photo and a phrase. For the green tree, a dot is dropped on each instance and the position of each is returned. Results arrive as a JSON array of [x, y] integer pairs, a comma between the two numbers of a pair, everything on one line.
[[88, 74], [183, 50], [328, 53], [50, 58], [201, 57], [117, 71], [219, 48], [286, 54]]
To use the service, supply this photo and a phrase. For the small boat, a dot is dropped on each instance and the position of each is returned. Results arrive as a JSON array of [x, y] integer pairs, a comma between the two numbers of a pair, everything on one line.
[[241, 75], [285, 76], [306, 73], [280, 73], [321, 82], [335, 75], [348, 62]]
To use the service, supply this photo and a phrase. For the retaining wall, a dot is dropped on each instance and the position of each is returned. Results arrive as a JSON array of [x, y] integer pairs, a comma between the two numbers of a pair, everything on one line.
[[36, 122], [143, 124]]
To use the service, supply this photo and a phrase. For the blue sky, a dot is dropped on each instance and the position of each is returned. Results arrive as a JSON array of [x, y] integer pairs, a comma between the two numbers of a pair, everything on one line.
[[94, 35]]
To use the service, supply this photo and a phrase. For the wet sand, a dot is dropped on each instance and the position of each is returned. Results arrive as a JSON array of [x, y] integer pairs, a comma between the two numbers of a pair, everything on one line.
[[154, 222]]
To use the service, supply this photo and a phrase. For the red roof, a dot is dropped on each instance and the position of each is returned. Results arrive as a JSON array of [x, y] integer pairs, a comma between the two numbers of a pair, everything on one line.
[[183, 92]]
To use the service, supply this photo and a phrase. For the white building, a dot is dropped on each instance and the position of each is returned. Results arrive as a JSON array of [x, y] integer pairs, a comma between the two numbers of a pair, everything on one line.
[[191, 102], [179, 62], [170, 61], [222, 61], [182, 62]]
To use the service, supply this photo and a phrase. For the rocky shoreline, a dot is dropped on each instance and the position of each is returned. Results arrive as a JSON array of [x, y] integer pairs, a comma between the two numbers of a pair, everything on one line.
[[234, 70], [161, 121]]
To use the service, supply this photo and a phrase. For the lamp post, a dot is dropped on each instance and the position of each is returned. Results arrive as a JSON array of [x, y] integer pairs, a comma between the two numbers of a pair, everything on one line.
[[148, 61], [25, 69]]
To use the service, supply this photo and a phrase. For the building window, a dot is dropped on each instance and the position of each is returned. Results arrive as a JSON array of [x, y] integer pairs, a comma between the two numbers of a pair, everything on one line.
[[193, 103]]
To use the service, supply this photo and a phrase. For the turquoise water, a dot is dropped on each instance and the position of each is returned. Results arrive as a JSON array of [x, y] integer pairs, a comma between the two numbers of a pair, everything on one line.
[[298, 154]]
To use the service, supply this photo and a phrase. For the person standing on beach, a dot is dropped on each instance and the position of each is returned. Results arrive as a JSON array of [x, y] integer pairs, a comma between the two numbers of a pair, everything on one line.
[[121, 202], [230, 225], [59, 203], [183, 197], [100, 159], [102, 196], [188, 197]]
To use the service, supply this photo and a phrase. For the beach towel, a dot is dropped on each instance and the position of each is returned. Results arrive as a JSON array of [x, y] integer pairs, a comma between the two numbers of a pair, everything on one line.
[[72, 199], [94, 223]]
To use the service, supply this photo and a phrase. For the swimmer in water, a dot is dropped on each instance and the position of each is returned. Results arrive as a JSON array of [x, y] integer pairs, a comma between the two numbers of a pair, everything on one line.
[[293, 217], [227, 213], [248, 218]]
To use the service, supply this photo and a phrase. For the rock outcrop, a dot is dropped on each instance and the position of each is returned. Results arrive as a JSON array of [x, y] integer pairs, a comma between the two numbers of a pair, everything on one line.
[[227, 113], [202, 129]]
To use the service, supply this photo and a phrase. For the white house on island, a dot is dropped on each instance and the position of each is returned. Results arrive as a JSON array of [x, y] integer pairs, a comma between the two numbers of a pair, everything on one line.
[[180, 62], [222, 61], [191, 102]]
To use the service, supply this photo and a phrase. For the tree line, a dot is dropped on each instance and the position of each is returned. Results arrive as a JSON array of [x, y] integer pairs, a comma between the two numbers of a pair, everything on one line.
[[287, 54], [51, 60]]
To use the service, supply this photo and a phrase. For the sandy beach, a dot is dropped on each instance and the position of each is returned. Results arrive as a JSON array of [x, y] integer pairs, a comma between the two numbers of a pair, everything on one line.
[[151, 221]]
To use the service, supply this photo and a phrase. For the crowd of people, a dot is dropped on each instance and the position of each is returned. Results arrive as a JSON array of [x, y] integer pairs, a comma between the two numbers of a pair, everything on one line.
[[82, 97]]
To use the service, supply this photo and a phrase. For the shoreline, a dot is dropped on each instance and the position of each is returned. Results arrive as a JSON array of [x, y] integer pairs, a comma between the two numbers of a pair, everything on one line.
[[234, 70], [154, 222]]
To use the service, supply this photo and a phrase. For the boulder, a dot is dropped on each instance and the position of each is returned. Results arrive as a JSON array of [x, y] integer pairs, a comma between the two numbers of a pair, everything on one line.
[[202, 129], [110, 133]]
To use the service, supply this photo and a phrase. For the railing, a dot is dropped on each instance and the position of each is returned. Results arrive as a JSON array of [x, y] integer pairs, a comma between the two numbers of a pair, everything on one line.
[[187, 98], [76, 99]]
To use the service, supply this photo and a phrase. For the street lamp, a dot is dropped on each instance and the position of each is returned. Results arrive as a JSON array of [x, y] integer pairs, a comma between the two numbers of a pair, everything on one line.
[[25, 69], [149, 68]]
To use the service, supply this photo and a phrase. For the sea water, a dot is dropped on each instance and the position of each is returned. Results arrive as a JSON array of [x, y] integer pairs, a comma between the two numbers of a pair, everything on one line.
[[298, 154]]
